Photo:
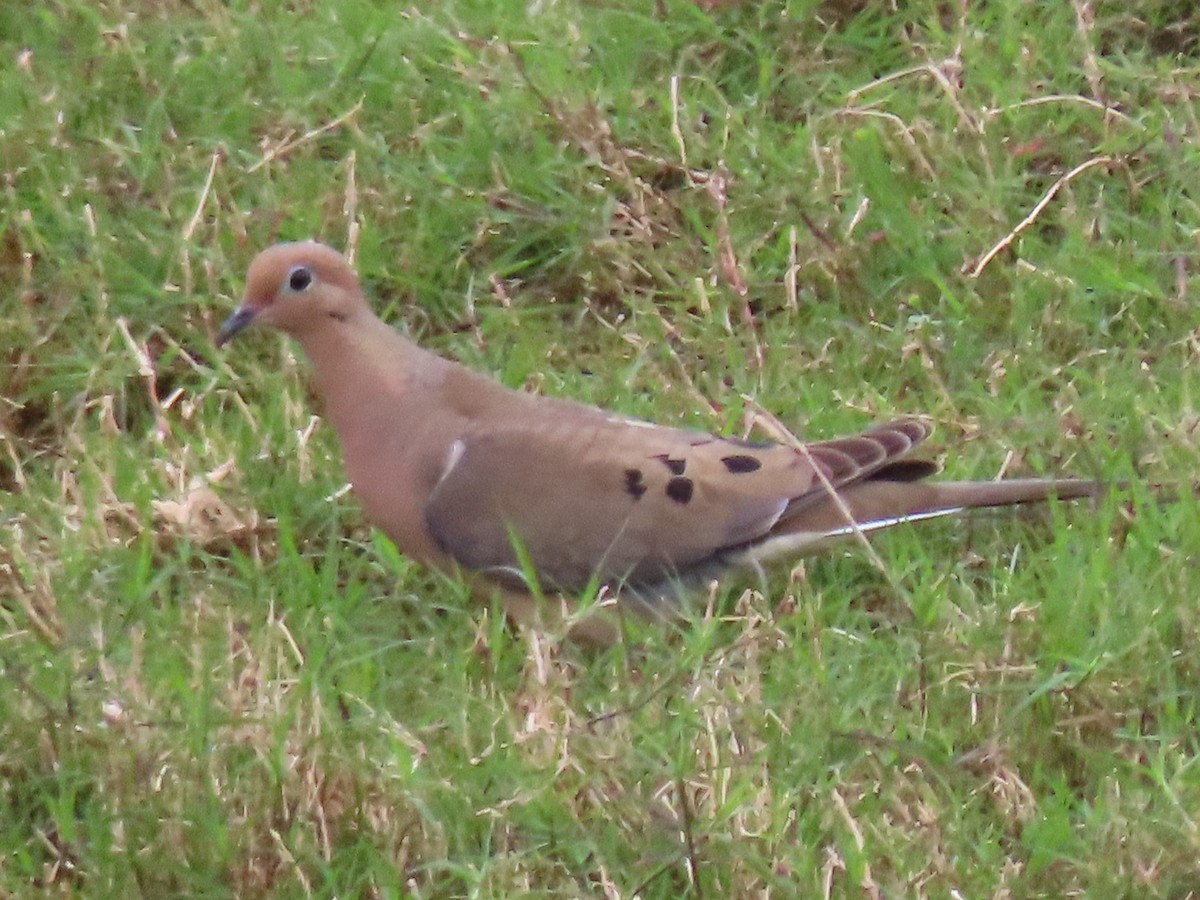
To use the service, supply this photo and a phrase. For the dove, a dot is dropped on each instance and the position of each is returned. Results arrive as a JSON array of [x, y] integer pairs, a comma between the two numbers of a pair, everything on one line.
[[532, 497]]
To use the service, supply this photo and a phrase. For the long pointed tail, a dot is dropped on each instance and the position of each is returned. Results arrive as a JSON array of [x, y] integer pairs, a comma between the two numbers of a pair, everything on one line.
[[951, 495], [877, 504]]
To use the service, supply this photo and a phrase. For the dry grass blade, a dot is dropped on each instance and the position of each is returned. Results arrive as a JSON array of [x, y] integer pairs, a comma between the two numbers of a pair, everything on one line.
[[976, 269]]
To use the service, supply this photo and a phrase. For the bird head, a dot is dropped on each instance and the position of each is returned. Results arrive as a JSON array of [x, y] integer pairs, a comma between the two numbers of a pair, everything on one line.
[[294, 287]]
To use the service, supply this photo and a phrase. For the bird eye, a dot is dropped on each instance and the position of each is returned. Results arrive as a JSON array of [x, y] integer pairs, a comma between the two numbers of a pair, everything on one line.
[[299, 278]]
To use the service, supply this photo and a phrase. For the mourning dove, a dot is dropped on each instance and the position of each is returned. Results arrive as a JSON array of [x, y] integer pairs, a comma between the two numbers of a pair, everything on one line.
[[469, 476]]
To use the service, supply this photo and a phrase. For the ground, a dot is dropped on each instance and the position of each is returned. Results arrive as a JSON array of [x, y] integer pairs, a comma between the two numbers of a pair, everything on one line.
[[216, 680]]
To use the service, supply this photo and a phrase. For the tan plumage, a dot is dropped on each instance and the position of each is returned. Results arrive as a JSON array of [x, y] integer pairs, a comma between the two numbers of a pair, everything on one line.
[[459, 471]]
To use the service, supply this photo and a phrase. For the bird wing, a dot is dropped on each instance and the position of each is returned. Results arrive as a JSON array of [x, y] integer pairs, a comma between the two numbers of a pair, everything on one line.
[[628, 502]]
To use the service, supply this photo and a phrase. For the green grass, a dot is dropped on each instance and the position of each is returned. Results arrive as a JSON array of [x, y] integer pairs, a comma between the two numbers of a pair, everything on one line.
[[215, 680]]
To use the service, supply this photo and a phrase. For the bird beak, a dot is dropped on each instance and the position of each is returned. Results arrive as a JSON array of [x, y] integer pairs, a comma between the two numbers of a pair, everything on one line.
[[240, 318]]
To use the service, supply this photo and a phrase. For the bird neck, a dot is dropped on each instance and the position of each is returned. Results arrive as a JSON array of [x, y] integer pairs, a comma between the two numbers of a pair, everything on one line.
[[358, 359]]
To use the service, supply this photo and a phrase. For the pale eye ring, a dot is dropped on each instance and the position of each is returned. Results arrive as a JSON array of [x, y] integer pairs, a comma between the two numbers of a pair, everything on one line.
[[299, 278]]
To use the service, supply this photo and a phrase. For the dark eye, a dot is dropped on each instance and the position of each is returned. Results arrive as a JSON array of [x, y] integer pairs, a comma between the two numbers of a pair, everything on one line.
[[299, 278]]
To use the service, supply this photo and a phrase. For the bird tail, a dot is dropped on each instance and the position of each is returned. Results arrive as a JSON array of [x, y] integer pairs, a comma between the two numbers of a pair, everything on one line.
[[873, 505], [955, 495]]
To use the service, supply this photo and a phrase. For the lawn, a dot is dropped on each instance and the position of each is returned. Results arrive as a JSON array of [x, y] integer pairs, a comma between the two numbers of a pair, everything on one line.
[[217, 681]]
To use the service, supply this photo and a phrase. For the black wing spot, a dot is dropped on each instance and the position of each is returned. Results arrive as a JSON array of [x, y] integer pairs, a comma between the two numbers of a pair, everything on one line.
[[676, 466], [739, 464], [635, 484], [680, 489]]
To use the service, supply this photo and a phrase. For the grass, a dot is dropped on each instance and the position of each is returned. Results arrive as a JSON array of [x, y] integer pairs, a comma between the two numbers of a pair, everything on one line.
[[215, 680]]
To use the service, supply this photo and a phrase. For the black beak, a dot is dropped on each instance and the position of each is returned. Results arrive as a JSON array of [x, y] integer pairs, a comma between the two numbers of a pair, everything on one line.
[[239, 319]]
